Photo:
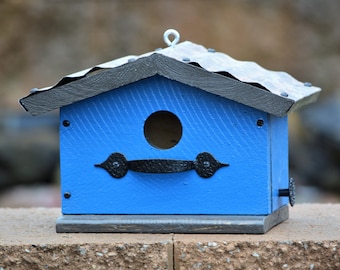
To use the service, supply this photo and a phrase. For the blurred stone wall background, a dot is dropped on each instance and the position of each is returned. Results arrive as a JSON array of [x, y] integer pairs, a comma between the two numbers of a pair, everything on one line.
[[41, 41]]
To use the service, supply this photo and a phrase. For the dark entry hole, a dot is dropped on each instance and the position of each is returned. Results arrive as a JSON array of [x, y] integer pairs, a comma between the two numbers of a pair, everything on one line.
[[163, 129]]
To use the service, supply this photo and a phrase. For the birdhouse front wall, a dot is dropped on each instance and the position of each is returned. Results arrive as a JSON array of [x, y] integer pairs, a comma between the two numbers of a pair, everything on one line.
[[127, 120]]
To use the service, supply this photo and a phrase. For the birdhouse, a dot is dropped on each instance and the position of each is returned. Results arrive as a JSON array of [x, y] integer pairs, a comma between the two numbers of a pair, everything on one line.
[[182, 139]]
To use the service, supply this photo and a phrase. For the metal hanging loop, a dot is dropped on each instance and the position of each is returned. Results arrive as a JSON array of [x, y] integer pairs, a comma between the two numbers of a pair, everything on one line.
[[171, 32]]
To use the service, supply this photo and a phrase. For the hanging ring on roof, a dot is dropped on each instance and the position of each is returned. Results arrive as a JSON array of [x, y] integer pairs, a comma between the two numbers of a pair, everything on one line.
[[171, 32]]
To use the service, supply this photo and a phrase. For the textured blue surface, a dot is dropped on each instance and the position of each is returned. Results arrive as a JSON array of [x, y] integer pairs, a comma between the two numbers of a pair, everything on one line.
[[114, 121], [279, 159]]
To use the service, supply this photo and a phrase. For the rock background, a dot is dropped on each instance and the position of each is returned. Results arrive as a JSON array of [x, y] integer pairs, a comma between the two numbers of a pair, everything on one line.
[[41, 41]]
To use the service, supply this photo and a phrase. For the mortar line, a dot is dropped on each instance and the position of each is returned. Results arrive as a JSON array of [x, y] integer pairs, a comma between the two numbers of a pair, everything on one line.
[[173, 252]]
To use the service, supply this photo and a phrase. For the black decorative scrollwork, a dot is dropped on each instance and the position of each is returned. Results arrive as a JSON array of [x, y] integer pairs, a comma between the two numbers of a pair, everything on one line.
[[117, 165]]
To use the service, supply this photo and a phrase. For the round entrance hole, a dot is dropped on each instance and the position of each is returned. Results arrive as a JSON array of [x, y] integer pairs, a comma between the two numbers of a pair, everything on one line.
[[163, 129]]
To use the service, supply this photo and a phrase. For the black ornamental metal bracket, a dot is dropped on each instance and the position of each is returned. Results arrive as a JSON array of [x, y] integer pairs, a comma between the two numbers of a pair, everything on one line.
[[117, 165]]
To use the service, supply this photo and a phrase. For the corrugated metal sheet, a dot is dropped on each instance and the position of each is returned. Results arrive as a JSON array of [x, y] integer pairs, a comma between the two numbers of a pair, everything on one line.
[[274, 92], [278, 83]]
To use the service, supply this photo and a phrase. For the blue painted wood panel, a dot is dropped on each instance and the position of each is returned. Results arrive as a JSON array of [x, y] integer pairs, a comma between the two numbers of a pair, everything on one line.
[[114, 122], [279, 158]]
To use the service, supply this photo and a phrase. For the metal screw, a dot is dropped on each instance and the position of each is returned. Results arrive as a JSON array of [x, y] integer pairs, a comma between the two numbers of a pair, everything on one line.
[[186, 59], [34, 90], [260, 123], [284, 94], [206, 164], [308, 84], [66, 123], [67, 195], [211, 50]]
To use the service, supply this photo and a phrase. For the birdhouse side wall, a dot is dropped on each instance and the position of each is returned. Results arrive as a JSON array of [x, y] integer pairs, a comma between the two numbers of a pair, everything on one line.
[[279, 159]]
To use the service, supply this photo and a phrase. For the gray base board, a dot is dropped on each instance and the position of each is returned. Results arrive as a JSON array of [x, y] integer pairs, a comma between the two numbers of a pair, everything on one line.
[[170, 223]]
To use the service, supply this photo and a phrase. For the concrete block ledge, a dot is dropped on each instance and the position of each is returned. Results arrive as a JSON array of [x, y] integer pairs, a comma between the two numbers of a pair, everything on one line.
[[309, 239]]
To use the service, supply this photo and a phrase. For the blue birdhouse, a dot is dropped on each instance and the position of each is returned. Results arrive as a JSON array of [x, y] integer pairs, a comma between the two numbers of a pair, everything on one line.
[[182, 139]]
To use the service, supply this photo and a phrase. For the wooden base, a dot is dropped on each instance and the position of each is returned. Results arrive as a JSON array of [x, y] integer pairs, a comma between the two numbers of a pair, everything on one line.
[[170, 223]]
